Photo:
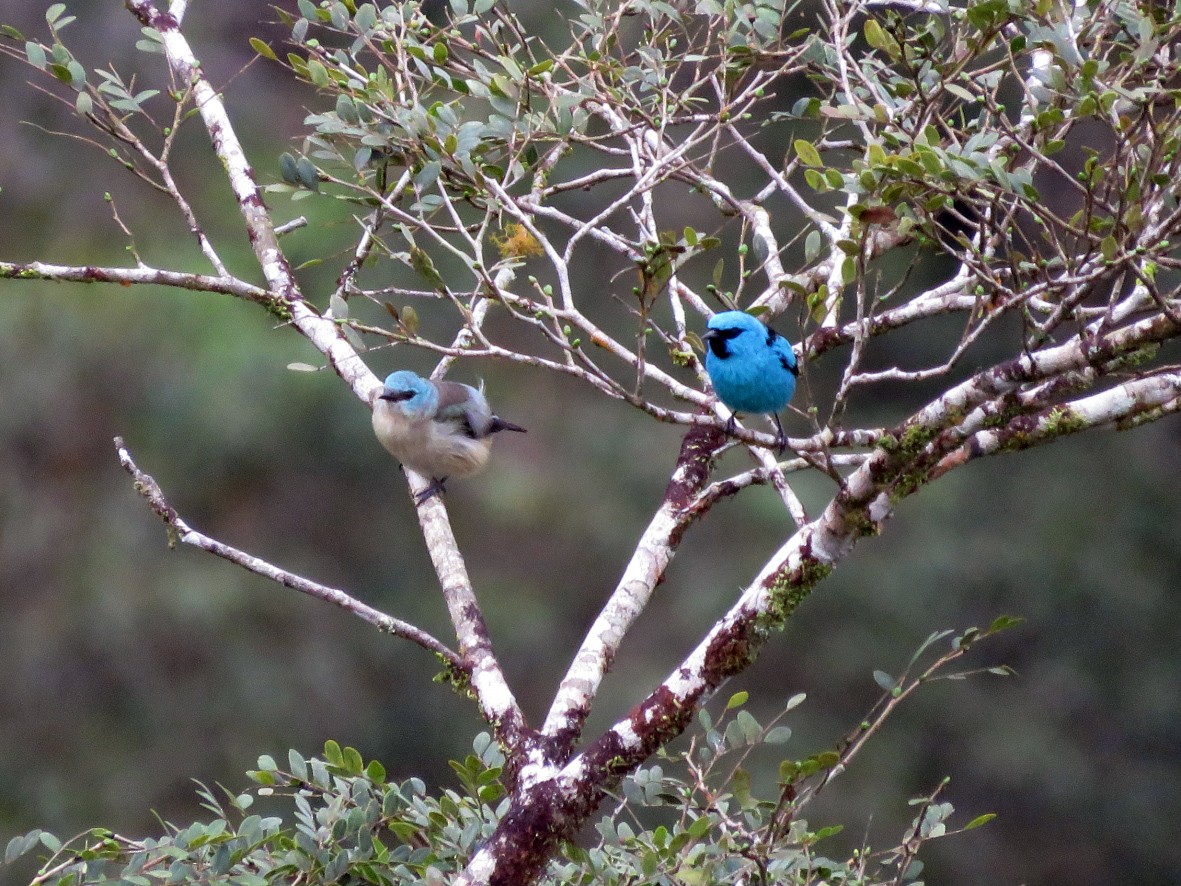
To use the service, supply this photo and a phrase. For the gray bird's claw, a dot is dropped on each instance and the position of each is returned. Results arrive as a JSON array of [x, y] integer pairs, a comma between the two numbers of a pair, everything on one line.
[[436, 488]]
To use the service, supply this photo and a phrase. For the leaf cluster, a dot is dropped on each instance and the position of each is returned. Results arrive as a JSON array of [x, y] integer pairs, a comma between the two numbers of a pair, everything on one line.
[[692, 817]]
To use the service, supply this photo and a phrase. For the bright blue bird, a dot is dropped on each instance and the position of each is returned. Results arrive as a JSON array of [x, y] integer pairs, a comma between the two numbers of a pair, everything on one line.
[[752, 367], [439, 429]]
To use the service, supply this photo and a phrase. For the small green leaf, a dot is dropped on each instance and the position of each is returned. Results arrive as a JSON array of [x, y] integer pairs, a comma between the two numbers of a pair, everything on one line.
[[1004, 622], [287, 168], [812, 244], [808, 154], [35, 54], [332, 753], [789, 771], [980, 820], [410, 320], [78, 76], [1109, 246], [752, 732], [815, 180], [831, 831], [884, 680], [827, 759], [297, 63], [874, 35], [50, 842], [778, 735], [263, 48], [848, 270], [737, 700], [53, 13], [818, 302], [880, 39], [318, 74], [299, 766], [959, 92], [305, 172], [740, 787], [365, 18], [18, 846], [421, 261]]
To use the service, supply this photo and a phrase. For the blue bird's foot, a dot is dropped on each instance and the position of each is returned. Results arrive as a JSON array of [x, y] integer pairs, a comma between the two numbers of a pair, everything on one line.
[[731, 423], [780, 436], [437, 487]]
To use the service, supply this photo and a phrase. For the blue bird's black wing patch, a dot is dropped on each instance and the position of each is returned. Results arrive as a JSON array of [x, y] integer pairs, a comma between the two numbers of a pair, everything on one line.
[[772, 337]]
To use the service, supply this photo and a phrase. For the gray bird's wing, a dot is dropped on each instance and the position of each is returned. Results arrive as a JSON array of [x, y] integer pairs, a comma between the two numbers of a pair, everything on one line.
[[465, 406]]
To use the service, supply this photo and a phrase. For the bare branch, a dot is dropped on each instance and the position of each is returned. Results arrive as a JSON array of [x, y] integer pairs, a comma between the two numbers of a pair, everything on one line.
[[140, 275], [179, 530]]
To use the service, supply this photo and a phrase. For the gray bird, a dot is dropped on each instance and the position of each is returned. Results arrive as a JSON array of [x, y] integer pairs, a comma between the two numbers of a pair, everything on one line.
[[438, 429]]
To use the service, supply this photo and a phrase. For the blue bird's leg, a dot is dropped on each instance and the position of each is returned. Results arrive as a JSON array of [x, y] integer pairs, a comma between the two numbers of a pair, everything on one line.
[[781, 437], [731, 423], [436, 488]]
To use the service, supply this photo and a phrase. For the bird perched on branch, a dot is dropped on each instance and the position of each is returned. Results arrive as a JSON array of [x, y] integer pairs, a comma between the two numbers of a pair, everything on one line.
[[439, 429], [752, 367]]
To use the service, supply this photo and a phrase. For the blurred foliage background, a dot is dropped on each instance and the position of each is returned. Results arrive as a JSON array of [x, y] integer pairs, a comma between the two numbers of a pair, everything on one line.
[[127, 669]]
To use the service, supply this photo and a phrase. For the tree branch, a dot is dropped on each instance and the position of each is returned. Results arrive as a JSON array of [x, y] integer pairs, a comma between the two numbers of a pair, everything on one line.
[[180, 531], [140, 275], [496, 700]]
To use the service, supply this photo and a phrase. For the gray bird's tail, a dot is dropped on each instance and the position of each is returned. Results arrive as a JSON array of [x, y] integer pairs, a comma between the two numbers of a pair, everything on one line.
[[499, 424]]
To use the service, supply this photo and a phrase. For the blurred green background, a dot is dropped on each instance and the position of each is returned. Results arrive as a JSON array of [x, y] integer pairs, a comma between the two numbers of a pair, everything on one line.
[[127, 669]]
